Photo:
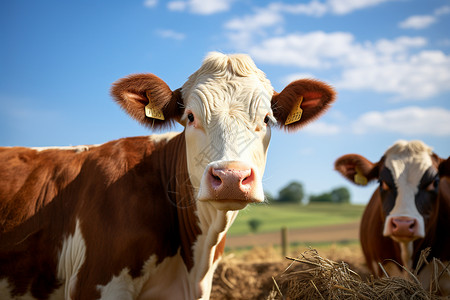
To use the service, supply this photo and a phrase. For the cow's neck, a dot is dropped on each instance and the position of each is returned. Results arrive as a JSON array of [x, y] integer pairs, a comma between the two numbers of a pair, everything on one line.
[[175, 179], [202, 227]]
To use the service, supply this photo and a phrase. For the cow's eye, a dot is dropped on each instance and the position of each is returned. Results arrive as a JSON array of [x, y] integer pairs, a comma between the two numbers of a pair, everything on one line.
[[267, 119], [432, 187], [191, 117], [384, 186]]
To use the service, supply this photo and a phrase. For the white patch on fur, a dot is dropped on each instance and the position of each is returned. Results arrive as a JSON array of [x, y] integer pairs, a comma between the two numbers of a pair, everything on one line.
[[406, 250], [166, 280], [120, 287], [76, 149], [214, 225], [71, 259]]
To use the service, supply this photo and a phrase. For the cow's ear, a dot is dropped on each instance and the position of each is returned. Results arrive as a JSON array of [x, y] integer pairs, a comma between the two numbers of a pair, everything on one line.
[[356, 168], [444, 168], [300, 102], [148, 99]]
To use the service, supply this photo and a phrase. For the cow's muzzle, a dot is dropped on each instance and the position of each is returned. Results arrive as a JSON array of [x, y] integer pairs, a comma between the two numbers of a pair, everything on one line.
[[402, 229], [230, 185]]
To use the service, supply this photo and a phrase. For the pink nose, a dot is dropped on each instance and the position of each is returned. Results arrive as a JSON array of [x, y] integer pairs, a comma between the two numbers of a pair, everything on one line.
[[404, 227], [234, 181]]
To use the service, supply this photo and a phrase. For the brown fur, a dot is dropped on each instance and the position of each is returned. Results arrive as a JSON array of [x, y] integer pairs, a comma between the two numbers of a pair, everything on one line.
[[130, 94], [118, 191], [317, 97]]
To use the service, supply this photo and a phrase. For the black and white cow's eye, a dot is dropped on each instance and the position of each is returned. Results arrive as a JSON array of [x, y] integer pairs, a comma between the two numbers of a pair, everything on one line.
[[384, 186], [433, 185], [190, 117], [267, 119]]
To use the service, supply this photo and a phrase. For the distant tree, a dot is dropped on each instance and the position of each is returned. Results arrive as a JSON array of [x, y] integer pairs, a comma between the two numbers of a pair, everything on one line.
[[325, 197], [269, 197], [340, 195], [292, 193], [254, 224]]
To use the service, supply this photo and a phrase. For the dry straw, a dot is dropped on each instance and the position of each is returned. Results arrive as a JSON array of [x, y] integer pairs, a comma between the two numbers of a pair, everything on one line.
[[311, 276]]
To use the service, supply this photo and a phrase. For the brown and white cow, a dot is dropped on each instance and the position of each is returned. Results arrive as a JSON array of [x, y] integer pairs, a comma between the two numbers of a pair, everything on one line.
[[146, 217], [409, 211]]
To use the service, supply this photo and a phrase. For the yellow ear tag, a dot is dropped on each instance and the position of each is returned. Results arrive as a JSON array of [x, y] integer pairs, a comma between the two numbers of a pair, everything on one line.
[[360, 178], [296, 113], [151, 111]]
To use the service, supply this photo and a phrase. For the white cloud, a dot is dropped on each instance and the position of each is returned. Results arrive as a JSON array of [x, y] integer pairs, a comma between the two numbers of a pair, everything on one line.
[[415, 77], [177, 5], [410, 121], [313, 8], [150, 3], [424, 21], [418, 22], [398, 67], [312, 50], [170, 34], [444, 10], [341, 7], [243, 29], [201, 7], [261, 19]]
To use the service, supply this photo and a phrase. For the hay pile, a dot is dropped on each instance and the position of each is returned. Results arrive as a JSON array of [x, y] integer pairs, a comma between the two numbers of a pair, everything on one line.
[[311, 276], [248, 277]]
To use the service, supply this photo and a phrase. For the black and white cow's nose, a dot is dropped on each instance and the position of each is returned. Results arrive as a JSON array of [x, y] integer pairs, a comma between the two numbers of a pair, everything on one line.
[[404, 227]]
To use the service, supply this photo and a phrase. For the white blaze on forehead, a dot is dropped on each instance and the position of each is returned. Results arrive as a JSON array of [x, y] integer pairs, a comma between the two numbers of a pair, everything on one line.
[[408, 161]]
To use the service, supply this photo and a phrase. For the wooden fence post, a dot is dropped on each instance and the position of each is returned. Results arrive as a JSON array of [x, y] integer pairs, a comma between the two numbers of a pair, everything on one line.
[[284, 241]]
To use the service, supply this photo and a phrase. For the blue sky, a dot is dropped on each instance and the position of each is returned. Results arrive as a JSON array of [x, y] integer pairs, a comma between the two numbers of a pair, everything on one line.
[[388, 59]]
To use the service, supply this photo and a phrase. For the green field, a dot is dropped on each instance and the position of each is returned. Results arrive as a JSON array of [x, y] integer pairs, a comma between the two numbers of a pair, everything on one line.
[[274, 216]]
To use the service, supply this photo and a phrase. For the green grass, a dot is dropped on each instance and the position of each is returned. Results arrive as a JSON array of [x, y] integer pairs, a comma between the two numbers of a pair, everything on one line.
[[274, 216]]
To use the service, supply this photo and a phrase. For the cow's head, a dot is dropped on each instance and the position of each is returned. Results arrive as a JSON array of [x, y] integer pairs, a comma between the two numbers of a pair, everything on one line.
[[227, 107], [408, 176]]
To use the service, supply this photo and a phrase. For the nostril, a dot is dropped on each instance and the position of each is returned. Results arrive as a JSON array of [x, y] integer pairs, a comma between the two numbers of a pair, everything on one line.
[[216, 181], [412, 225], [248, 179], [394, 224]]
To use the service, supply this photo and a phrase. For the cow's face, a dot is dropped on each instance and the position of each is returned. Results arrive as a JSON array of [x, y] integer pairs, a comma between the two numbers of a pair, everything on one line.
[[408, 188], [227, 107], [228, 116], [408, 176]]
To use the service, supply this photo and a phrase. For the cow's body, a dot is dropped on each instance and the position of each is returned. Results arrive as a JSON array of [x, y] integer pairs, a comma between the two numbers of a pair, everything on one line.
[[145, 217], [105, 209], [409, 212]]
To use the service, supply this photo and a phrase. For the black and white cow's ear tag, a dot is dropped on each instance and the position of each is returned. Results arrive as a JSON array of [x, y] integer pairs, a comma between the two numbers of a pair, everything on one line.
[[359, 177], [296, 113], [151, 111]]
